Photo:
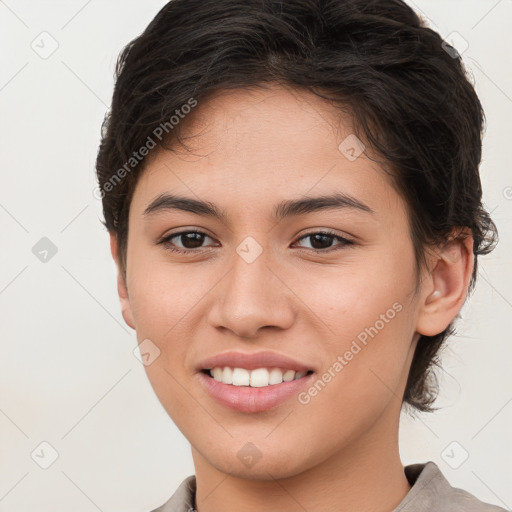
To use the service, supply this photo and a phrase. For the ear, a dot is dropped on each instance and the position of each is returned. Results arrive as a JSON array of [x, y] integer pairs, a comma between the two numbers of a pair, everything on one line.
[[122, 289], [445, 286]]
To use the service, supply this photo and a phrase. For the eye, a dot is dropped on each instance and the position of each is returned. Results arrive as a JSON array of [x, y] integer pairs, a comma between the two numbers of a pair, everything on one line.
[[321, 241], [191, 241]]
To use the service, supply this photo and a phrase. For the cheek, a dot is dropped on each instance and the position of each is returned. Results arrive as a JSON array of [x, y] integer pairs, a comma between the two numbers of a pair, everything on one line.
[[163, 294], [365, 369], [352, 297], [366, 329]]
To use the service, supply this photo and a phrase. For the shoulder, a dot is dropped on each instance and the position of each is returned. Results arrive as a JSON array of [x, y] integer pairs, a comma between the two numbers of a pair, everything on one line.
[[183, 499], [431, 492]]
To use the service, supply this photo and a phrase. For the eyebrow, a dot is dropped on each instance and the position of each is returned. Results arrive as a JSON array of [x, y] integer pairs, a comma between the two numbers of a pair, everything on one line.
[[287, 208]]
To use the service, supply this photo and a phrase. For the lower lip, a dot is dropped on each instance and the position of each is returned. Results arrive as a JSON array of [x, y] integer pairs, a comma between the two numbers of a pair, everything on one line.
[[248, 399]]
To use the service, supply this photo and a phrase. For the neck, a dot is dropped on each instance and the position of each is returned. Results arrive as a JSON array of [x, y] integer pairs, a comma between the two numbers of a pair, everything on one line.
[[367, 475]]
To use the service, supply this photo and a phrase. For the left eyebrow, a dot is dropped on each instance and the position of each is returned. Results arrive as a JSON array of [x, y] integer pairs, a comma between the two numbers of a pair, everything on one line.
[[309, 204], [284, 209]]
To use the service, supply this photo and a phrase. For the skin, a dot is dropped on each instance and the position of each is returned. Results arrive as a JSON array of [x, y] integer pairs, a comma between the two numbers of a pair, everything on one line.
[[251, 150]]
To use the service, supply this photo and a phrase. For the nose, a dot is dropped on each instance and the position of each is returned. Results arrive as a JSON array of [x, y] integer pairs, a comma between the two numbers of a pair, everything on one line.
[[252, 296]]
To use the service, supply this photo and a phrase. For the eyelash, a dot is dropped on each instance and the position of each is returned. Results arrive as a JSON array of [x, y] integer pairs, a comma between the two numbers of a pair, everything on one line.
[[344, 242]]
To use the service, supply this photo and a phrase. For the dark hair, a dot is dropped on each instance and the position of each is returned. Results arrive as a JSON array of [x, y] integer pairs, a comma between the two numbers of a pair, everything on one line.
[[405, 89]]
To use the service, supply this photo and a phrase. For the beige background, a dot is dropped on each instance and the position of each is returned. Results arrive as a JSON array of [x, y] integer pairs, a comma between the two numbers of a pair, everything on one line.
[[68, 376]]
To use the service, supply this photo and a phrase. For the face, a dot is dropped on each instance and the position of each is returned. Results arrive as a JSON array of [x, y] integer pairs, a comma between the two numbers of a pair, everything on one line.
[[327, 288]]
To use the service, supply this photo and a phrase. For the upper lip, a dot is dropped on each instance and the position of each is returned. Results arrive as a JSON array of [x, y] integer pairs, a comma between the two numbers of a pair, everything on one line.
[[253, 360]]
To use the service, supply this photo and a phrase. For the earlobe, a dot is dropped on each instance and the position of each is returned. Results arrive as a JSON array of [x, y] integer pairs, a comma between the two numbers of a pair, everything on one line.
[[122, 289], [446, 286]]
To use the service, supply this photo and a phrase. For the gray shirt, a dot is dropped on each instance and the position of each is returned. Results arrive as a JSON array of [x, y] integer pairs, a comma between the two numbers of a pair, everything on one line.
[[430, 492]]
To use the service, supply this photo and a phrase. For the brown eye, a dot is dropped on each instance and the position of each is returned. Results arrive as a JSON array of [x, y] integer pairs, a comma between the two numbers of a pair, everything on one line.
[[191, 240], [184, 241], [322, 241]]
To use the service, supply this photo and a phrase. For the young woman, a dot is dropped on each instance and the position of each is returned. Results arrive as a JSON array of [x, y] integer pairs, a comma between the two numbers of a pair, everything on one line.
[[294, 204]]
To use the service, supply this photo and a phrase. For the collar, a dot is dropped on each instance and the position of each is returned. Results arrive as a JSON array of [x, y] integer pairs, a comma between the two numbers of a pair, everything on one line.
[[430, 492]]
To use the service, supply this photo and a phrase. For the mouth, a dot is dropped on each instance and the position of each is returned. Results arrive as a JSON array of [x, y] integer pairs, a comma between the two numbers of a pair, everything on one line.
[[253, 381], [254, 378], [256, 390]]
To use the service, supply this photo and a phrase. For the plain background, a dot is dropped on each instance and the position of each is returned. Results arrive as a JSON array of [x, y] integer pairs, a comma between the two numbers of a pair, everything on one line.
[[68, 375]]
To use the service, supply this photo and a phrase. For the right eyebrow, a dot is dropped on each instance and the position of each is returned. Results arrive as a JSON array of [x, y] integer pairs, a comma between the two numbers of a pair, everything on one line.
[[175, 202]]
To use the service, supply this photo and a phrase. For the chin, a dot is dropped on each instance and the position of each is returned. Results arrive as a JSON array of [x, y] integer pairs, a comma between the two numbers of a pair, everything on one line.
[[266, 468], [252, 461]]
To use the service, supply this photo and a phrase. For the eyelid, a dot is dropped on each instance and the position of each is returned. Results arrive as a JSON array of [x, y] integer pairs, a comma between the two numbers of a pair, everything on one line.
[[165, 238], [344, 240], [327, 231]]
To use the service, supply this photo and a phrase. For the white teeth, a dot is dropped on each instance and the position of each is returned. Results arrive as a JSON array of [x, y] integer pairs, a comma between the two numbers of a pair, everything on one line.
[[275, 376], [258, 378], [288, 375], [217, 374], [227, 375], [241, 377]]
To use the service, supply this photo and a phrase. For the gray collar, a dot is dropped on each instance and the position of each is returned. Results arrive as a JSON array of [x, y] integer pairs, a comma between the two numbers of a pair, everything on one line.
[[430, 492]]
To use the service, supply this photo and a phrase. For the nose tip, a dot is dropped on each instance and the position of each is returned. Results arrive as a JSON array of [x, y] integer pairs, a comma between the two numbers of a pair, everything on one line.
[[250, 298], [247, 331]]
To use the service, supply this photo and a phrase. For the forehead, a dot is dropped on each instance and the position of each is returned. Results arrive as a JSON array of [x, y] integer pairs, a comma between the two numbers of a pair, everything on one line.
[[275, 115], [261, 144]]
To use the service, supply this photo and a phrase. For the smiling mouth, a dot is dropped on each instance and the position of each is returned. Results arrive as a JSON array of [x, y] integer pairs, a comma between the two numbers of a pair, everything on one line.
[[257, 378]]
